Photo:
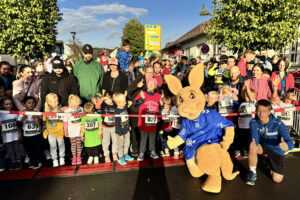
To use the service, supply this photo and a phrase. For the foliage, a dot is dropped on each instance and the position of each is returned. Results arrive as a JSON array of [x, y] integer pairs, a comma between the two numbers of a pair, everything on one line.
[[28, 28], [75, 50], [135, 33], [255, 24]]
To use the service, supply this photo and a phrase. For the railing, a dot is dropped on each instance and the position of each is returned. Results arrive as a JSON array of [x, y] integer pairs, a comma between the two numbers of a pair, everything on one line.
[[296, 125]]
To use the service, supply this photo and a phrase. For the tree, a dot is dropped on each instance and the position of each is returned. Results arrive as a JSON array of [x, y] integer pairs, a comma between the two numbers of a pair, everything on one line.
[[256, 24], [28, 28], [134, 32], [75, 50]]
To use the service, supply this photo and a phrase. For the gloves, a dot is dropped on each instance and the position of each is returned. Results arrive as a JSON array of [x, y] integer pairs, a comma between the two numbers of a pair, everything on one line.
[[174, 142], [227, 138]]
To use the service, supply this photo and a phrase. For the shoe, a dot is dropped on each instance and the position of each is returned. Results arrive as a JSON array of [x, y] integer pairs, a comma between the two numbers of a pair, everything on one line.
[[237, 153], [90, 160], [140, 157], [162, 154], [115, 157], [62, 161], [107, 159], [245, 153], [74, 160], [129, 158], [167, 152], [154, 155], [27, 159], [176, 155], [79, 160], [37, 165], [122, 161], [47, 154], [251, 178], [31, 164], [18, 165], [1, 169], [134, 154], [13, 165], [55, 163], [96, 160]]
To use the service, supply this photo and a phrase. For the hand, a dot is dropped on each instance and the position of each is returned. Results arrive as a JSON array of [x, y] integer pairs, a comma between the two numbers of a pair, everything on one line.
[[246, 84], [66, 133], [64, 108], [100, 135], [122, 137], [283, 145], [253, 145], [161, 102], [174, 142], [161, 132], [37, 122], [82, 138], [24, 118], [140, 84], [276, 82], [224, 145], [142, 94]]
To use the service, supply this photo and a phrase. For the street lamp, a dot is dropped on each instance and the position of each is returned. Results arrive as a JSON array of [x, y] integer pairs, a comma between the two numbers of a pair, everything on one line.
[[73, 35]]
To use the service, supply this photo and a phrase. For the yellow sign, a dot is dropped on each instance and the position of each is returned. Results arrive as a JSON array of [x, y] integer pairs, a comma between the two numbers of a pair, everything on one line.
[[152, 37]]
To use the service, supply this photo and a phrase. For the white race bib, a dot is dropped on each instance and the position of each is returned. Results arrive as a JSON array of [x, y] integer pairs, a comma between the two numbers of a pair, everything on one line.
[[150, 120], [8, 127], [91, 125]]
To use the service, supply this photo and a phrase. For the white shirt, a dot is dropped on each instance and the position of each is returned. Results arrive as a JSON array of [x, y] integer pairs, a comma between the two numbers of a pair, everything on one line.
[[244, 120], [9, 129], [29, 128], [74, 123]]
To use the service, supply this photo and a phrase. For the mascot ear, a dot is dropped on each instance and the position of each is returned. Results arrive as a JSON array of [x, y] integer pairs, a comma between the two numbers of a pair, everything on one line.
[[196, 76], [173, 83]]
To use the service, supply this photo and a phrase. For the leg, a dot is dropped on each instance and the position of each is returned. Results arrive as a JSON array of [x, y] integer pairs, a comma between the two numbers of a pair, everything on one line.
[[53, 147], [193, 168], [120, 147], [277, 178], [17, 150], [78, 146], [143, 143], [152, 141], [254, 150], [61, 147], [126, 143], [212, 184], [114, 140], [73, 145], [10, 151], [106, 141], [134, 134]]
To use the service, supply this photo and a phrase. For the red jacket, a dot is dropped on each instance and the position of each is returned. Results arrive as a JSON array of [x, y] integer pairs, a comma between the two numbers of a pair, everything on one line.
[[242, 66], [289, 81]]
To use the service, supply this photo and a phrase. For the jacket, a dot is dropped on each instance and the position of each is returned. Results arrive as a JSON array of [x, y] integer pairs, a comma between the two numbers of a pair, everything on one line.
[[118, 84]]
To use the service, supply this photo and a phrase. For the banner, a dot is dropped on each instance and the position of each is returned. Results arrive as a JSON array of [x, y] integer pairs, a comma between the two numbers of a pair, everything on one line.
[[152, 37]]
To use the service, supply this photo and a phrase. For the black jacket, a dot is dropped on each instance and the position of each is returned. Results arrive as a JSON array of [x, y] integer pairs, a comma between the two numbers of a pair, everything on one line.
[[63, 86], [8, 85], [118, 84]]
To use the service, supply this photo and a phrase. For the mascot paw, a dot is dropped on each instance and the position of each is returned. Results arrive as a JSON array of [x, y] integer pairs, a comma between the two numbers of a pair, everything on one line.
[[174, 142], [212, 184]]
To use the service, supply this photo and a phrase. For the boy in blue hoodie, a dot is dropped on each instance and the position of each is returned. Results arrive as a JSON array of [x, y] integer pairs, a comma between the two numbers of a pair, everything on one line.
[[269, 136]]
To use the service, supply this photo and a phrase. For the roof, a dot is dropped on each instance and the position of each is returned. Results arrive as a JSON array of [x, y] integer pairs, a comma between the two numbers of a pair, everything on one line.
[[198, 30]]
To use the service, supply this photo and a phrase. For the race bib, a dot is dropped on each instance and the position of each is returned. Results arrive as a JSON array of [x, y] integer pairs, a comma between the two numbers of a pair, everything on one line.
[[109, 120], [165, 112], [227, 103], [55, 119], [91, 125], [9, 127], [286, 116], [75, 119], [176, 123], [31, 128], [150, 120]]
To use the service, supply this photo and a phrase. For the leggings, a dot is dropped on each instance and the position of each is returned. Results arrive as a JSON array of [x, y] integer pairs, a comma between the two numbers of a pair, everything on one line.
[[76, 146]]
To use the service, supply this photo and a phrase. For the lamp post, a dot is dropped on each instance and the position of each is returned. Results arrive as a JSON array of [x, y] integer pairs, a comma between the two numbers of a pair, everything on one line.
[[73, 35]]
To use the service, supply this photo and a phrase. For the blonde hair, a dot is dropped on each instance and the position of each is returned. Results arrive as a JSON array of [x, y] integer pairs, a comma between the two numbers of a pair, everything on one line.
[[118, 96], [167, 100], [74, 99], [213, 94], [225, 89], [48, 108], [96, 98], [88, 107]]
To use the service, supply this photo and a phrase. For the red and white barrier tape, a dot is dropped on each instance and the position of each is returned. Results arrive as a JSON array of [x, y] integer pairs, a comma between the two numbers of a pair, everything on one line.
[[113, 115]]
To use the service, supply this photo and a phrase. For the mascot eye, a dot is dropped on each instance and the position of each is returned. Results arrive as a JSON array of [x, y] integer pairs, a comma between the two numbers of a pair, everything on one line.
[[192, 96], [180, 99]]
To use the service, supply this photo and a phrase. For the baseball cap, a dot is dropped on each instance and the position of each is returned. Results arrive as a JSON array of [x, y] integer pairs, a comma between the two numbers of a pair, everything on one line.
[[87, 49], [57, 63]]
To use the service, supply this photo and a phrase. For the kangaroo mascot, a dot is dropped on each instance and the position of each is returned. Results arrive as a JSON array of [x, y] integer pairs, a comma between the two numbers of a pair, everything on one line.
[[206, 143]]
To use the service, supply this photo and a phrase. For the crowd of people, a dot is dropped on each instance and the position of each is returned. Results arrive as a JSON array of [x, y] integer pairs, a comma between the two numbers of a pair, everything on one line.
[[129, 85]]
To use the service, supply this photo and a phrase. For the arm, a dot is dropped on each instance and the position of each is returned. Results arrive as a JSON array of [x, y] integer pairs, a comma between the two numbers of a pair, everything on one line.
[[139, 100], [44, 90], [74, 86], [285, 138], [17, 95], [39, 103], [101, 75], [100, 130], [82, 130], [180, 138]]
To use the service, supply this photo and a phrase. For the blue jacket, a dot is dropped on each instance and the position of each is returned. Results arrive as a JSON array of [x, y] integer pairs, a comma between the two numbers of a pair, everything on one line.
[[270, 134], [123, 58], [205, 129]]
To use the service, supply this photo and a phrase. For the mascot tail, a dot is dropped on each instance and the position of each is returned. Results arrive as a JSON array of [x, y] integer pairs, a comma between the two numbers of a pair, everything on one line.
[[227, 167]]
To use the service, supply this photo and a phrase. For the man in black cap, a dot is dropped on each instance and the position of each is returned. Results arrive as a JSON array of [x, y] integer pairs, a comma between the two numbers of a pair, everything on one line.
[[89, 73], [60, 82]]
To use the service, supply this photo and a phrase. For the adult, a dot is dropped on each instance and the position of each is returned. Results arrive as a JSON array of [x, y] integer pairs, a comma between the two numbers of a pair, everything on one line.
[[60, 82], [235, 79], [231, 61], [274, 62], [248, 56], [167, 68], [26, 86], [259, 83], [6, 78], [182, 66], [198, 59], [157, 73], [287, 82], [133, 90], [89, 73], [114, 80], [269, 136]]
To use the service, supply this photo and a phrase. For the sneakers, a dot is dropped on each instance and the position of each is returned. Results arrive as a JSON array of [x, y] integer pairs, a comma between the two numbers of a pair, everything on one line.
[[62, 161], [47, 154], [162, 154], [96, 160], [176, 155], [251, 178], [2, 169], [237, 153], [79, 160], [74, 160], [55, 163], [27, 159], [129, 158], [140, 157], [37, 165], [18, 165], [115, 157], [90, 160], [107, 159], [154, 155], [167, 152], [122, 161]]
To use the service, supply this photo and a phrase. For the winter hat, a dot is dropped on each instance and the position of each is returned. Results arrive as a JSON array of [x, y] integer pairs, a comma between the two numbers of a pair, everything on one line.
[[113, 61], [152, 79]]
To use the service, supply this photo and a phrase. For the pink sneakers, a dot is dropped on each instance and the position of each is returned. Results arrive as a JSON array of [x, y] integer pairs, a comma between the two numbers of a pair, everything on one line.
[[74, 160], [115, 157], [107, 159], [79, 160]]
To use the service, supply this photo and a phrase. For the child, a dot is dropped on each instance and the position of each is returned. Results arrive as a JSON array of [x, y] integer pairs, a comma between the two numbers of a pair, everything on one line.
[[32, 137], [72, 126], [10, 134], [176, 124], [228, 99], [54, 130], [287, 117], [91, 133], [141, 59], [212, 100], [166, 128], [242, 137], [167, 68], [124, 56], [275, 101], [148, 103], [108, 128], [122, 128], [97, 101]]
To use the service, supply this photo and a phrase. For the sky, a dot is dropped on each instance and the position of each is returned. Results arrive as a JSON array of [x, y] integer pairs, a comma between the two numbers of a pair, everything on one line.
[[100, 22]]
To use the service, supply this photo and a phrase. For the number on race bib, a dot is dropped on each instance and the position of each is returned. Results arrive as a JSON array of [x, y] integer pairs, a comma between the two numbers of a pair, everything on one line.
[[151, 120]]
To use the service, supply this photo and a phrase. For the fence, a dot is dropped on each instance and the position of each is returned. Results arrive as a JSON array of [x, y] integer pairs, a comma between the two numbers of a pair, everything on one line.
[[296, 125]]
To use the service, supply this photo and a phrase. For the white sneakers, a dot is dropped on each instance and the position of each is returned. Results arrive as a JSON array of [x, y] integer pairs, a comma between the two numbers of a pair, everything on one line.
[[96, 160], [90, 160], [55, 163], [61, 162]]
